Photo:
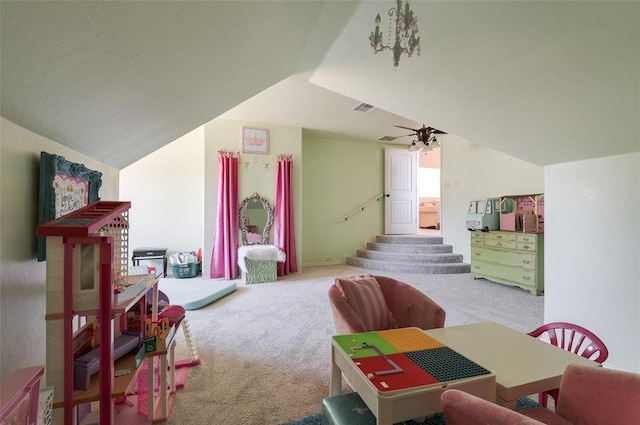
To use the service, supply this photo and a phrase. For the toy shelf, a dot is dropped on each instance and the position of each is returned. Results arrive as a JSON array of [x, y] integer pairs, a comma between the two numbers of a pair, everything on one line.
[[121, 307], [127, 304], [122, 383], [522, 213], [158, 405]]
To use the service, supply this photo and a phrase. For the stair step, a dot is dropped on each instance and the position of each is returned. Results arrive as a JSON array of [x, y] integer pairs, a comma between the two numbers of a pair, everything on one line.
[[410, 254], [411, 248], [398, 257], [410, 239], [426, 268]]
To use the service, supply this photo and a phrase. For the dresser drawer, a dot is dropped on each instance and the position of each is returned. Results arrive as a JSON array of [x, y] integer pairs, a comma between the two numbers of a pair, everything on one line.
[[527, 246], [518, 275], [500, 239], [526, 237], [505, 240], [501, 243], [477, 240], [508, 258], [500, 236]]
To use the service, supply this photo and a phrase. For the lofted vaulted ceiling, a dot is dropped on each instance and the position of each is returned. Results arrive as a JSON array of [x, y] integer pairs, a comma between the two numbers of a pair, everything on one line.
[[546, 82]]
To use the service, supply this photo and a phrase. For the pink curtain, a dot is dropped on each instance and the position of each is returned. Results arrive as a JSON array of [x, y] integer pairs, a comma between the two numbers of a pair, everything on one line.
[[224, 257], [284, 236]]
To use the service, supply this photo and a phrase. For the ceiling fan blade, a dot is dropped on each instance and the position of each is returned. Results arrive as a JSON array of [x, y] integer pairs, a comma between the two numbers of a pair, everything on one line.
[[406, 128], [434, 131], [390, 138]]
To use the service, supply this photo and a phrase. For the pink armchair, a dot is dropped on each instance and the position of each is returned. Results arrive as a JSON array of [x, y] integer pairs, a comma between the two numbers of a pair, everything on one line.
[[588, 395], [408, 307], [594, 396], [461, 408]]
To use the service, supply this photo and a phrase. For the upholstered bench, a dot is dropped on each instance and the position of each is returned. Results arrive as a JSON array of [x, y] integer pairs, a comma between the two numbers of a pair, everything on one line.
[[346, 409], [258, 263]]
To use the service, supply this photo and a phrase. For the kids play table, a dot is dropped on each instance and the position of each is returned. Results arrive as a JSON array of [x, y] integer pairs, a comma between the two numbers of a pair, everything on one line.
[[401, 373], [523, 365]]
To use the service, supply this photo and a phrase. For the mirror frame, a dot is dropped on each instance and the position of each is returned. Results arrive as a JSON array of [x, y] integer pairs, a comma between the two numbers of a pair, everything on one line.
[[267, 227]]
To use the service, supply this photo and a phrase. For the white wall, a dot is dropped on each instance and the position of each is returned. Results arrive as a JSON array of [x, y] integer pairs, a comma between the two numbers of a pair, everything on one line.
[[166, 190], [471, 171], [22, 278], [592, 251]]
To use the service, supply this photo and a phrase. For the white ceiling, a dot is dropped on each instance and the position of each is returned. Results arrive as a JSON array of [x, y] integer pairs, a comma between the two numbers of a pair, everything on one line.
[[295, 101], [118, 80]]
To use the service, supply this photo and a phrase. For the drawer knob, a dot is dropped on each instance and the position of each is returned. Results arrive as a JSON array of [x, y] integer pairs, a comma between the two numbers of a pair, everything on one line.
[[526, 247], [526, 261], [499, 244], [477, 254], [477, 267], [499, 237], [525, 277]]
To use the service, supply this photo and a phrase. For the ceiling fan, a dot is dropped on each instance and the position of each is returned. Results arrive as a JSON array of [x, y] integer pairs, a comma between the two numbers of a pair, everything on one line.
[[425, 137]]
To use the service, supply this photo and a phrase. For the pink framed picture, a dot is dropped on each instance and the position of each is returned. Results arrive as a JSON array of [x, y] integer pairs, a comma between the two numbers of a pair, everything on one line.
[[255, 140]]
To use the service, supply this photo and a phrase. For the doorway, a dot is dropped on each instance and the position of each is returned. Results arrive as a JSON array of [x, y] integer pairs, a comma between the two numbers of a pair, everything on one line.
[[429, 191]]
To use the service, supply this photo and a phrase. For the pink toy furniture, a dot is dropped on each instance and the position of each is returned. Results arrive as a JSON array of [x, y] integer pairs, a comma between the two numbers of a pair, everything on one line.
[[574, 338], [368, 303], [588, 396], [461, 408], [19, 396]]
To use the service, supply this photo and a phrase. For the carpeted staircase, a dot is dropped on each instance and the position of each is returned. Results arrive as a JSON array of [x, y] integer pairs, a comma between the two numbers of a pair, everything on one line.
[[410, 254]]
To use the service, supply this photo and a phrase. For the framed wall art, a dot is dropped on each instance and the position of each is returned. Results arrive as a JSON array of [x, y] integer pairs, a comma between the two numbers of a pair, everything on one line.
[[255, 140], [64, 187]]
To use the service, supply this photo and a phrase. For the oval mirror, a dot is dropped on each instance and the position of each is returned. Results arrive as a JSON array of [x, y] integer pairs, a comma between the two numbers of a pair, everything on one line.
[[256, 219]]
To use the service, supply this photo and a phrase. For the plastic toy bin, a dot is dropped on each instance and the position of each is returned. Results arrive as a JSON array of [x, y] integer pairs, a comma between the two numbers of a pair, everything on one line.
[[183, 271]]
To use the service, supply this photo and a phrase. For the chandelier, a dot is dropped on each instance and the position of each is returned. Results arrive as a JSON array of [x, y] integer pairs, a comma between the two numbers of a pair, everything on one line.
[[405, 33]]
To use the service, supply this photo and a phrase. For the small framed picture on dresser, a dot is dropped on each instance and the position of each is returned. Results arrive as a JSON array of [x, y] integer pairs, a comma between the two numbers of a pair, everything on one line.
[[255, 140]]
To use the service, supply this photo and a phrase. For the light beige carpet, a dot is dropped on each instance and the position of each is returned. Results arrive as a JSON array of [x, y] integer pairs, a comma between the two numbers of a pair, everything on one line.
[[265, 349]]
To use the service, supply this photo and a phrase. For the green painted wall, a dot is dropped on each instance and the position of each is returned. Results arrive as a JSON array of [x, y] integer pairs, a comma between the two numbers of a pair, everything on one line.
[[339, 176], [257, 173]]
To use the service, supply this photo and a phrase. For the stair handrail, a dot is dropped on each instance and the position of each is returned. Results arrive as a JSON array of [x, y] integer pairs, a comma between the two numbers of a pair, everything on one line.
[[361, 208]]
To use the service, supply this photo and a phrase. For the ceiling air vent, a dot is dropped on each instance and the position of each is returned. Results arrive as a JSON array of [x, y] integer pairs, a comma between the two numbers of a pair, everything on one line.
[[387, 138], [364, 107]]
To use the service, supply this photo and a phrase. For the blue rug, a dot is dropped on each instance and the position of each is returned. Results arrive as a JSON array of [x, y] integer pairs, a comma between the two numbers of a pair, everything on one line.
[[193, 294], [437, 419]]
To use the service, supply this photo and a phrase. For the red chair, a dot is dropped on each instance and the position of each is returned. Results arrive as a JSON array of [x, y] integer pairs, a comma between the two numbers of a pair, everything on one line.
[[574, 338]]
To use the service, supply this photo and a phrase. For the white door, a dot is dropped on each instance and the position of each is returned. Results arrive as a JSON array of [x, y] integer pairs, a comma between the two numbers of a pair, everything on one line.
[[401, 191]]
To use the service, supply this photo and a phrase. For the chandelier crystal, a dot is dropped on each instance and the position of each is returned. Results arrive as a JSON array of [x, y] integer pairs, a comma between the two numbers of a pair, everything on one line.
[[406, 29]]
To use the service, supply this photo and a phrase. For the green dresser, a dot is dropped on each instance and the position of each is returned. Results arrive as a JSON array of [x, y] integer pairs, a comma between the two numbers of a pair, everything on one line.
[[511, 258]]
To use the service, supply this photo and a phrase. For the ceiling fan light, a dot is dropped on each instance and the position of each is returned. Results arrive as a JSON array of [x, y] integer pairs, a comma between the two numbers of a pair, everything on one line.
[[435, 143], [414, 147]]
